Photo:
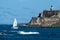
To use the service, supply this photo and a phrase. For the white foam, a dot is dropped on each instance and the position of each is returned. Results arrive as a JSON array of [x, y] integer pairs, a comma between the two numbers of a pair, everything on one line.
[[4, 34], [1, 34], [22, 32]]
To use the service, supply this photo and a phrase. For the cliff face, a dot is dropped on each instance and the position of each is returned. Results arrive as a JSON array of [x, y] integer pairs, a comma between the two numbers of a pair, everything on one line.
[[50, 21], [44, 21], [36, 21], [47, 18]]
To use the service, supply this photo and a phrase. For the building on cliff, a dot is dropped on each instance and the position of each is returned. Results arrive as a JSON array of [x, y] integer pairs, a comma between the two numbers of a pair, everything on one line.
[[47, 18]]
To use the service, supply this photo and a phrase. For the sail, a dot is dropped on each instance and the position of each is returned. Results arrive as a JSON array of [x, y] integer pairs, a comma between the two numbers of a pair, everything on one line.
[[15, 24]]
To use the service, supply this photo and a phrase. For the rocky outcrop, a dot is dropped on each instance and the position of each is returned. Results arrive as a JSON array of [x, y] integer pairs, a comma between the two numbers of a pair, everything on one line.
[[47, 18]]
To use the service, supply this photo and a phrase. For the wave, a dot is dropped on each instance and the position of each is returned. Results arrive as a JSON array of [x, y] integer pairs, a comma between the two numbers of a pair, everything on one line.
[[22, 32]]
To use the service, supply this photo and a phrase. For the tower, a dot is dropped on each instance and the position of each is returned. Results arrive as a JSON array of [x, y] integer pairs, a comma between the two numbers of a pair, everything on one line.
[[51, 8]]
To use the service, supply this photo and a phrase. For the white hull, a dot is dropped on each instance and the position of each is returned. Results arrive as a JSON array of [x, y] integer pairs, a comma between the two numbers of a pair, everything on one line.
[[15, 27]]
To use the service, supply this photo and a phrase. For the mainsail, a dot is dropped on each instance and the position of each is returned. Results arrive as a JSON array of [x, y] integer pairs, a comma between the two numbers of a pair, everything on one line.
[[15, 24]]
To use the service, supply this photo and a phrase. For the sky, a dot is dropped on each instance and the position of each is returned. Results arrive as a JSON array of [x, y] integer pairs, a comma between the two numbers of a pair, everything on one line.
[[24, 10]]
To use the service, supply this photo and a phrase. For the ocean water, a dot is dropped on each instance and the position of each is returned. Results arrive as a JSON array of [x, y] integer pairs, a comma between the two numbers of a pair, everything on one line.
[[7, 33]]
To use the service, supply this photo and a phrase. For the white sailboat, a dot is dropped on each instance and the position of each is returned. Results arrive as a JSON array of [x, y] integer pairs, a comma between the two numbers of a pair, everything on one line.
[[15, 24]]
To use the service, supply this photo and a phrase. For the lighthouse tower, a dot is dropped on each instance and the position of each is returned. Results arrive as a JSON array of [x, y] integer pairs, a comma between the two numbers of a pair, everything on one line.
[[51, 8]]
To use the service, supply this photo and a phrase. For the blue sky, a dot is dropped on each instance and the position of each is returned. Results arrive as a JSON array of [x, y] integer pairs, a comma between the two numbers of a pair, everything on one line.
[[23, 10]]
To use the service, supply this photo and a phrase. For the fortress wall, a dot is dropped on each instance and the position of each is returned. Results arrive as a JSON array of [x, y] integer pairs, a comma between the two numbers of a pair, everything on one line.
[[51, 19]]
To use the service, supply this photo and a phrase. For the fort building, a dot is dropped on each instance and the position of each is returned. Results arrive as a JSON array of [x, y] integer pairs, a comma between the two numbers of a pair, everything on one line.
[[47, 18]]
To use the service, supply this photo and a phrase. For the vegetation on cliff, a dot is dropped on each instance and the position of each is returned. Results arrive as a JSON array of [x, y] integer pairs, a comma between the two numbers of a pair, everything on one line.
[[57, 24]]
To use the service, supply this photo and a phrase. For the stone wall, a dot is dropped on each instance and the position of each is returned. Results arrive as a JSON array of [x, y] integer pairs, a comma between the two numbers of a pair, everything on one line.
[[50, 21]]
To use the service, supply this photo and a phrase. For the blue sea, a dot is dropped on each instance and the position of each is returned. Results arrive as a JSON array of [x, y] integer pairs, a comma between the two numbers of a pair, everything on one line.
[[46, 33]]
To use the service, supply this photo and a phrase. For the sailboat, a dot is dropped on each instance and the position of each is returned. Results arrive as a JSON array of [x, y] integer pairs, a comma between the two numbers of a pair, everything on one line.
[[15, 24]]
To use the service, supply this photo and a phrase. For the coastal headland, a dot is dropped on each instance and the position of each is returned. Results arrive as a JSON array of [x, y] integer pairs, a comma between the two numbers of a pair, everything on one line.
[[46, 18]]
